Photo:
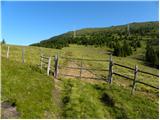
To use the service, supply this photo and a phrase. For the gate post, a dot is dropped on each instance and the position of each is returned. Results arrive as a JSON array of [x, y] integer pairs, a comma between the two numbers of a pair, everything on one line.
[[135, 77], [81, 68], [8, 52], [49, 64], [110, 69], [56, 66], [41, 60], [23, 55]]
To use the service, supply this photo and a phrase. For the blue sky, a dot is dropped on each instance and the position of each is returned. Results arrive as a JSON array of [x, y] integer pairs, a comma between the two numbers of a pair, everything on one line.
[[24, 23]]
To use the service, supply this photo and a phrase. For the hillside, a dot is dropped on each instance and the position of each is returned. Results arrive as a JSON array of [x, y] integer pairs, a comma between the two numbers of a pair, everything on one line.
[[146, 30], [123, 40], [35, 95]]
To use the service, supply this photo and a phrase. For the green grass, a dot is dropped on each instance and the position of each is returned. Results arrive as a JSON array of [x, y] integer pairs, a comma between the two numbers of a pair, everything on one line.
[[80, 101], [29, 88], [84, 100], [32, 89]]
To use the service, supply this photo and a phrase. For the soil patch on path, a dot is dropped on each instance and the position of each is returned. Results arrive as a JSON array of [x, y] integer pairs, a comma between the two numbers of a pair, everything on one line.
[[9, 111]]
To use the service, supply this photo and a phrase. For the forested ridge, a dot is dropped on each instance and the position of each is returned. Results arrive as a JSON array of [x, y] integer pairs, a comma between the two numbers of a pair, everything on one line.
[[123, 39]]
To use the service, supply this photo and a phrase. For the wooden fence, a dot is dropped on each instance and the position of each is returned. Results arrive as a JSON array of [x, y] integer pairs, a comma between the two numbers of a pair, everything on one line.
[[81, 68], [109, 76], [23, 54]]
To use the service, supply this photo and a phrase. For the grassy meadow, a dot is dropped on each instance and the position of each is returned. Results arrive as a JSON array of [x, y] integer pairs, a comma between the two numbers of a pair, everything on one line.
[[32, 90]]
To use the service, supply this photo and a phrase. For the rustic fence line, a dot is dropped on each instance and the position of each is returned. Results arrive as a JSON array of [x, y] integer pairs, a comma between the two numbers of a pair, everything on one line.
[[8, 53], [110, 73], [109, 77]]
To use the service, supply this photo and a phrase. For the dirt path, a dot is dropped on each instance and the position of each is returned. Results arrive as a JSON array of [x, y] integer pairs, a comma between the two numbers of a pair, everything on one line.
[[76, 72], [57, 91], [57, 97], [9, 111]]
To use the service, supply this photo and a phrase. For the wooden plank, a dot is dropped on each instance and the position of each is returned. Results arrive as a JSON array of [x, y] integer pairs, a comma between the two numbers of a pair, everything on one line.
[[95, 69], [148, 73], [49, 64], [134, 80], [122, 76], [8, 52], [41, 60], [110, 70], [82, 68], [147, 84], [56, 66], [23, 55], [133, 69], [123, 66], [85, 59]]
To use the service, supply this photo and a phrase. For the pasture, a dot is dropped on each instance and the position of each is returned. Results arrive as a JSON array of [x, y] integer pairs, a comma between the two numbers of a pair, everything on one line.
[[35, 93]]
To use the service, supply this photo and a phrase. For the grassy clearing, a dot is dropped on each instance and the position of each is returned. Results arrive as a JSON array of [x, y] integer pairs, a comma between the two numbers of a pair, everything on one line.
[[29, 89]]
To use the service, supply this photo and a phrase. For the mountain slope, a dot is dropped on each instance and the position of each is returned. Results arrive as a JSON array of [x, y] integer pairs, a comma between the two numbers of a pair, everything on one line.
[[99, 36], [123, 40]]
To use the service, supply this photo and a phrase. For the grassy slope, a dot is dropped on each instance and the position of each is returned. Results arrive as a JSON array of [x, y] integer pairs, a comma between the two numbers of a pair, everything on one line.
[[29, 88], [133, 27], [84, 98]]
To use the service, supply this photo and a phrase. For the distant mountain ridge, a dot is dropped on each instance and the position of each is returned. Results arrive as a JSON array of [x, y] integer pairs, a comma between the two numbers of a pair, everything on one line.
[[141, 29]]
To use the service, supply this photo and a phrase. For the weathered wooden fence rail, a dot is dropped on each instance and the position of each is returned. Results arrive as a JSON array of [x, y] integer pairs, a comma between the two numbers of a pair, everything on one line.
[[135, 79], [84, 59], [81, 68]]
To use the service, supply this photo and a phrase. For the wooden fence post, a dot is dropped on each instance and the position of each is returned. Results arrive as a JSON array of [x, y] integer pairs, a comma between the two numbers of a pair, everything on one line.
[[135, 77], [56, 66], [49, 65], [41, 58], [81, 68], [8, 52], [110, 70], [41, 52], [23, 55]]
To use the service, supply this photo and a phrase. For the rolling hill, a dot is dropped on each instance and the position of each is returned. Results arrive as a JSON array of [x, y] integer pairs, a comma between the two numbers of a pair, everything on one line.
[[146, 30], [123, 40]]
